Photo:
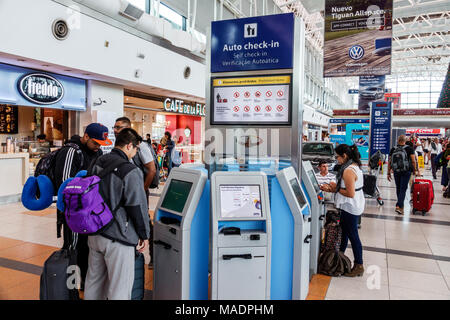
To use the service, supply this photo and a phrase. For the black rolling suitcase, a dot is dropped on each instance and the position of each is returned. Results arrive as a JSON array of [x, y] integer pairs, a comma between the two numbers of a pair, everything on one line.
[[55, 283], [139, 278]]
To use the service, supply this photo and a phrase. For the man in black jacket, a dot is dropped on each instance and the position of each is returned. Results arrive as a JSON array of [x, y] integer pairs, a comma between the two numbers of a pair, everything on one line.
[[112, 252], [78, 154]]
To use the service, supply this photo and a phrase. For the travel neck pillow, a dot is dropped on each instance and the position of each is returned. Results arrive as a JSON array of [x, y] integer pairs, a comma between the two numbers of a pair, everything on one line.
[[29, 198]]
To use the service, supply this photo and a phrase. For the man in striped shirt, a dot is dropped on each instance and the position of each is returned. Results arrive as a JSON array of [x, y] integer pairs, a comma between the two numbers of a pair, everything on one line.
[[324, 177], [76, 155]]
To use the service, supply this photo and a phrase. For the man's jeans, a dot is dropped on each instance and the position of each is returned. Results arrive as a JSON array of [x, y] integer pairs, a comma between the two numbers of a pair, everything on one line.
[[401, 184]]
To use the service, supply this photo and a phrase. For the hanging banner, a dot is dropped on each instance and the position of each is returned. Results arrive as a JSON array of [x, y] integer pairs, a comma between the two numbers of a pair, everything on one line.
[[358, 38], [371, 88], [256, 43], [380, 127], [395, 98]]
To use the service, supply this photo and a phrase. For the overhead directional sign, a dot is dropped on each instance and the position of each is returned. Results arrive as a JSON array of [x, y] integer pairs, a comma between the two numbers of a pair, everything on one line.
[[380, 127], [255, 43]]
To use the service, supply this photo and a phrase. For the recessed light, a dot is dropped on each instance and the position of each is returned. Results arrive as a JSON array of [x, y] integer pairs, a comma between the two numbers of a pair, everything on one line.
[[21, 60], [86, 74], [67, 70], [46, 65]]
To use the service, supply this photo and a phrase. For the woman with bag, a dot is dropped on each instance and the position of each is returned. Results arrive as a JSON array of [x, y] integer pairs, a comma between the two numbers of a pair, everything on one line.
[[350, 201]]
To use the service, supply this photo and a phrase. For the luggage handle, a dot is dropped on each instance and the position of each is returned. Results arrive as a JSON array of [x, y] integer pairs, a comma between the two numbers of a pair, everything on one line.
[[247, 256], [321, 217], [162, 243]]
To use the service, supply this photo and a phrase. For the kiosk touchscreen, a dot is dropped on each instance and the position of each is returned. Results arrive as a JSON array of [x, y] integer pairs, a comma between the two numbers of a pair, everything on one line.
[[241, 236], [315, 196], [181, 237], [296, 199]]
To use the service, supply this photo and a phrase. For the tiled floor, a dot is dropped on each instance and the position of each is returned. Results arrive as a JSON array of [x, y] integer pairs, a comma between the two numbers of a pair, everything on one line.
[[405, 257]]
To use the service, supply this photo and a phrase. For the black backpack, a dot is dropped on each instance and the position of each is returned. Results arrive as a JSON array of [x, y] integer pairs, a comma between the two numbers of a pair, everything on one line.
[[399, 160], [433, 145], [46, 166]]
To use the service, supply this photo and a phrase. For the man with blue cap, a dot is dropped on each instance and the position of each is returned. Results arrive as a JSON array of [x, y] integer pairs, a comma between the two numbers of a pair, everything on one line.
[[76, 155]]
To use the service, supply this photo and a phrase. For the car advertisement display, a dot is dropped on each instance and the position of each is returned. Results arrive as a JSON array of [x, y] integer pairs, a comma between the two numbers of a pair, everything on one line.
[[358, 37], [251, 100], [380, 127], [255, 43], [371, 88]]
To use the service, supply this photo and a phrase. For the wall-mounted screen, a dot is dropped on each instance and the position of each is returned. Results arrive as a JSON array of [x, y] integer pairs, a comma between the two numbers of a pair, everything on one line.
[[176, 195], [314, 181], [257, 100], [298, 192], [240, 201]]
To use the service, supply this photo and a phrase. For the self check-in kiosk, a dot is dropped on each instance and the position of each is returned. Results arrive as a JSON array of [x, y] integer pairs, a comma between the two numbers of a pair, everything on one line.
[[181, 237], [291, 258], [241, 236], [317, 205]]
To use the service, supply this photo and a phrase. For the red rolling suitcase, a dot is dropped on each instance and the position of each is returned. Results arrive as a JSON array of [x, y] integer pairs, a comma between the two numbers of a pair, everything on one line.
[[423, 195]]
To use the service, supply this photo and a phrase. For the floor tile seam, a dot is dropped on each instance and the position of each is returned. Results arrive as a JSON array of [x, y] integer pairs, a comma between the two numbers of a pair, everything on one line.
[[443, 278], [387, 260], [443, 275], [406, 219], [408, 253], [421, 291]]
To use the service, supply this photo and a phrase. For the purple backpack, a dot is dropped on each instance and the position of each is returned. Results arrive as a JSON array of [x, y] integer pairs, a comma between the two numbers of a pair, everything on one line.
[[86, 211]]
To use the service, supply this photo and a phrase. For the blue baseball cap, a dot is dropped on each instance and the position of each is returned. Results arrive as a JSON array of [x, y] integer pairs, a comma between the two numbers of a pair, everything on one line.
[[98, 133]]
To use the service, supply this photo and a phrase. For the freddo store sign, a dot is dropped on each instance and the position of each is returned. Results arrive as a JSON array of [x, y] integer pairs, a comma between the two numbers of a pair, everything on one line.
[[41, 89], [178, 106]]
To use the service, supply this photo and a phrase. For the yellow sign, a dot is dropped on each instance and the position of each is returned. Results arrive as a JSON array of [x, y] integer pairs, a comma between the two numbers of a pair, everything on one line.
[[421, 162], [251, 81]]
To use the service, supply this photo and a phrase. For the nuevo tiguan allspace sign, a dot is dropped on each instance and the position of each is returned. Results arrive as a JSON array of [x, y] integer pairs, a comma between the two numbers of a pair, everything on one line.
[[255, 43], [358, 37], [41, 88]]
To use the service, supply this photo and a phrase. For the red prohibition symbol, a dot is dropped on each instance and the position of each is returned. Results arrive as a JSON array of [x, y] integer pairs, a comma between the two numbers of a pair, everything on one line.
[[236, 95], [246, 108], [257, 94], [269, 94], [280, 93], [280, 108], [236, 109], [268, 108], [247, 94], [257, 108]]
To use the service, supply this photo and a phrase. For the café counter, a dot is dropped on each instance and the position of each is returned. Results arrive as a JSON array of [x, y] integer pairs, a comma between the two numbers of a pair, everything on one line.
[[14, 172]]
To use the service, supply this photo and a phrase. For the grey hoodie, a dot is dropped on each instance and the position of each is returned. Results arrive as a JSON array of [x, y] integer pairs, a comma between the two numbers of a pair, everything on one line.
[[124, 189]]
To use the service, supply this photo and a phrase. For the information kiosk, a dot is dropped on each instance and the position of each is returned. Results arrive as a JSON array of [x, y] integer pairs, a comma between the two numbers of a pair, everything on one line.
[[181, 237], [241, 236], [297, 251], [317, 204]]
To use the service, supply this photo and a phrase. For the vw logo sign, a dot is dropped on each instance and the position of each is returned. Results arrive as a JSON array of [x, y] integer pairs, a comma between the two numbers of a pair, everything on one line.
[[356, 52]]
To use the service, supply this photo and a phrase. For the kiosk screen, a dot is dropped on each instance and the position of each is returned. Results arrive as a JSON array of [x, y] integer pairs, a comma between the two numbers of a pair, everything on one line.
[[177, 195], [298, 192], [240, 201], [314, 181]]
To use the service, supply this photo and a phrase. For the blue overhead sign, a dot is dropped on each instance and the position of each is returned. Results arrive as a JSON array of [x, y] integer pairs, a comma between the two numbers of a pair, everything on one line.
[[380, 127], [33, 88], [256, 43], [345, 121]]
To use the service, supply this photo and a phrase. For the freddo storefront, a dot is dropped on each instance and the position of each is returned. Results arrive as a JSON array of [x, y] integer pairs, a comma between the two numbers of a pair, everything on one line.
[[33, 104], [184, 120]]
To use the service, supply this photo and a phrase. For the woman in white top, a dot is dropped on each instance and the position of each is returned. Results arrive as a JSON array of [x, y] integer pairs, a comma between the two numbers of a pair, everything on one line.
[[350, 201]]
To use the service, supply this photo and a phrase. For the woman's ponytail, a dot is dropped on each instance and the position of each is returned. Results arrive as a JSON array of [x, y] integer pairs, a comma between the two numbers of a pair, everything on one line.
[[351, 152]]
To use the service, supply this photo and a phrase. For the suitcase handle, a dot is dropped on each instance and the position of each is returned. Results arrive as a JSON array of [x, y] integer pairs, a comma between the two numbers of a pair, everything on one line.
[[309, 237]]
